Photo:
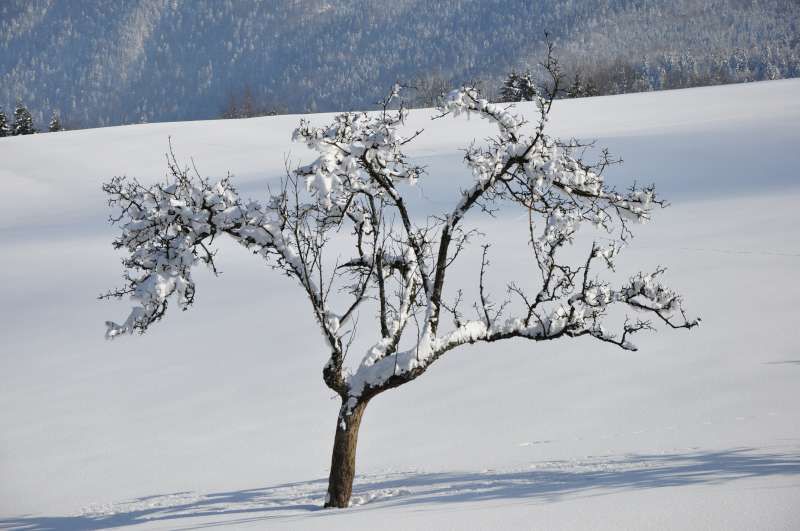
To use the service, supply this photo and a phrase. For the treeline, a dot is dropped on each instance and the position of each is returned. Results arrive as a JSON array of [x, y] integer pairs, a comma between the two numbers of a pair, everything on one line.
[[659, 71], [22, 122], [107, 63], [246, 104], [674, 70], [662, 71]]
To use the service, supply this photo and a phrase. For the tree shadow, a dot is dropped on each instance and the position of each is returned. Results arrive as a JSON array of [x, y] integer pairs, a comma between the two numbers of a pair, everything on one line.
[[541, 482]]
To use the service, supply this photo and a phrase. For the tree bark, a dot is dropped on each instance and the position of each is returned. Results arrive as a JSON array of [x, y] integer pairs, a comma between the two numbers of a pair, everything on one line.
[[343, 460]]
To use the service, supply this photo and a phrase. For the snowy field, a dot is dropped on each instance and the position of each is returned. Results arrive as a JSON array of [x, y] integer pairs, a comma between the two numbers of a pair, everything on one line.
[[218, 417]]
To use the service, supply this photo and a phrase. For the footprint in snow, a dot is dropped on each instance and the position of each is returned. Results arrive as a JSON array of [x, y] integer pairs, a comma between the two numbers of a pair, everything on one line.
[[383, 494]]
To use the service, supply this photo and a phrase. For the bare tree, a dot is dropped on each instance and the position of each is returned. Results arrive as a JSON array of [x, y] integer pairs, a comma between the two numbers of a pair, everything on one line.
[[398, 269], [428, 89], [244, 104]]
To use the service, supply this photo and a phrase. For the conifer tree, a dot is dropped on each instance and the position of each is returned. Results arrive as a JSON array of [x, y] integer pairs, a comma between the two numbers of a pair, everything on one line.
[[23, 121], [55, 124], [519, 87], [4, 130], [509, 91], [590, 89], [576, 89]]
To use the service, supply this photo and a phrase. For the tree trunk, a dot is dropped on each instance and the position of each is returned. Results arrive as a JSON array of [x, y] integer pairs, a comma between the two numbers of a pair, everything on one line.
[[343, 460]]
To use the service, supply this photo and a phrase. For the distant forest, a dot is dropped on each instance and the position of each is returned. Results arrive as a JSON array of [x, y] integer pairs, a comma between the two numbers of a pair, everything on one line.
[[97, 63]]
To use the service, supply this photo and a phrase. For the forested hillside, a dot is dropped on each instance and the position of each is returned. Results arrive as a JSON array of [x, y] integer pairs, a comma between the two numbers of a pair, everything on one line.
[[110, 62]]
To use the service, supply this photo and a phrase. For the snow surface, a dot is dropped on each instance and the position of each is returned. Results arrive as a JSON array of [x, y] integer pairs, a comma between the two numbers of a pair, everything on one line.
[[219, 416]]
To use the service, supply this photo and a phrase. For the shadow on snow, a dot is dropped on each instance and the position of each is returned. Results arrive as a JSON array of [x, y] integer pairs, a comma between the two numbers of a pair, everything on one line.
[[542, 482]]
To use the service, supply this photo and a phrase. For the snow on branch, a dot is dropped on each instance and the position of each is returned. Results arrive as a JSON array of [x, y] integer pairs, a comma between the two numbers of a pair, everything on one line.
[[396, 268], [169, 228]]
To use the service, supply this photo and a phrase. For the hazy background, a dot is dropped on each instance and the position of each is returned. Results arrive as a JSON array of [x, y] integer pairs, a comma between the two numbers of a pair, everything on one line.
[[112, 62]]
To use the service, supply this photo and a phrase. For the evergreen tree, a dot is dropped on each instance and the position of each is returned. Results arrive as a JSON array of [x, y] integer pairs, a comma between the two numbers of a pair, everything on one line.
[[55, 124], [23, 121], [4, 130], [509, 91], [590, 89], [576, 89], [519, 87]]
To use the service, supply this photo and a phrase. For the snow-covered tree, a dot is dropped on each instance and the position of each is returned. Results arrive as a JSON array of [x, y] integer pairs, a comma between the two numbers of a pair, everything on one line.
[[55, 124], [4, 129], [590, 89], [23, 121], [519, 87], [398, 265], [577, 88]]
